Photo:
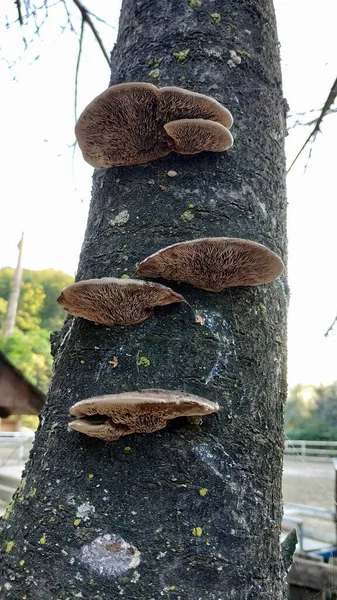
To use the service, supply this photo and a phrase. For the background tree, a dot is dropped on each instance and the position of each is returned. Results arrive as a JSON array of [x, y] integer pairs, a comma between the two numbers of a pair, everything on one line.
[[201, 502], [38, 315], [311, 412]]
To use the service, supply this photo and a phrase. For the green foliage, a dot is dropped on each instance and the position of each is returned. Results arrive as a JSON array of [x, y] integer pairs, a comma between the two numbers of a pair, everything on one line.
[[311, 413], [38, 314], [30, 303], [30, 352], [3, 308], [30, 421], [45, 312]]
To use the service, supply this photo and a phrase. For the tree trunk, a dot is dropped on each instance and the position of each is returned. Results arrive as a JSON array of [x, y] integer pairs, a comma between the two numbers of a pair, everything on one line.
[[199, 502]]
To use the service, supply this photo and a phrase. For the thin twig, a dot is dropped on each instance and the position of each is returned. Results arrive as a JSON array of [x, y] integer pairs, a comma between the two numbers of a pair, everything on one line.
[[78, 66], [327, 105], [87, 19], [20, 17], [18, 6], [331, 327]]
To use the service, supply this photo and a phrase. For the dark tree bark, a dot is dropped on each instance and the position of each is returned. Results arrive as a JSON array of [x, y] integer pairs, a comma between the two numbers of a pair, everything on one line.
[[200, 502]]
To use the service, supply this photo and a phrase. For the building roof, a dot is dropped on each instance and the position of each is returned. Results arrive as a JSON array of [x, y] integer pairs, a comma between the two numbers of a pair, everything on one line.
[[17, 395]]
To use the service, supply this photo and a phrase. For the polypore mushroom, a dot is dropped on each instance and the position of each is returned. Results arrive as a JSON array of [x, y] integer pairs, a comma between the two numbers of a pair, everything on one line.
[[197, 135], [177, 103], [112, 416], [125, 124], [213, 264], [111, 301]]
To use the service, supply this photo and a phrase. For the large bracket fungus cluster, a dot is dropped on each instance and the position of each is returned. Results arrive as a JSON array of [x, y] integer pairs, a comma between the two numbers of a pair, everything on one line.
[[110, 301], [214, 263], [134, 123], [112, 416]]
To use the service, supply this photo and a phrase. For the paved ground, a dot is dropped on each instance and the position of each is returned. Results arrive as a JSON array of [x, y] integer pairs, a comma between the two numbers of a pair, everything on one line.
[[313, 484], [310, 483]]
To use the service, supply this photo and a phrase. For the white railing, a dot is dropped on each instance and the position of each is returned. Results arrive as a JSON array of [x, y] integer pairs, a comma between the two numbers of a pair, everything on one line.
[[307, 448], [15, 446]]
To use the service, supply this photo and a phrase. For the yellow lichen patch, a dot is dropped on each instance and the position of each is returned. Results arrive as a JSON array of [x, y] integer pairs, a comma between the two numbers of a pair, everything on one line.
[[154, 73], [125, 276], [187, 216], [182, 55], [77, 522], [127, 449], [203, 491], [143, 361], [216, 17], [43, 539], [21, 563], [195, 3], [171, 588], [91, 475], [32, 492], [9, 547], [195, 420], [197, 531]]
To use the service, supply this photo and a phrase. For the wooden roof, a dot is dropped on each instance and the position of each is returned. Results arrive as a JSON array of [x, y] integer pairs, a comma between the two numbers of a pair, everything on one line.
[[17, 395]]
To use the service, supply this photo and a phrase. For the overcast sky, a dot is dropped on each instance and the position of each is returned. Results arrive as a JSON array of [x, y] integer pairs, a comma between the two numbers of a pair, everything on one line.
[[46, 193]]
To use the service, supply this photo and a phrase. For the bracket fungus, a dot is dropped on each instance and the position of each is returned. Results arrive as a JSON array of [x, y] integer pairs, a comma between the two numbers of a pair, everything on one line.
[[111, 416], [130, 123], [192, 136], [111, 301], [213, 264]]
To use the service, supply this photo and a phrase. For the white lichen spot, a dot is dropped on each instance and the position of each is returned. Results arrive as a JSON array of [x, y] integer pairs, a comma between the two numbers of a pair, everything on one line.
[[135, 577], [7, 586], [234, 60], [121, 218], [110, 555], [84, 511]]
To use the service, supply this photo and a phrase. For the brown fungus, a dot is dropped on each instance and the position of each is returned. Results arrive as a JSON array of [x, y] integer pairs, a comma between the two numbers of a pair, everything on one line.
[[125, 124], [213, 264], [198, 135], [111, 301], [112, 416]]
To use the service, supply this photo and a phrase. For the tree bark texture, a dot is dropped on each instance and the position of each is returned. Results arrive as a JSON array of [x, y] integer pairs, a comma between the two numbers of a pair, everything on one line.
[[199, 502]]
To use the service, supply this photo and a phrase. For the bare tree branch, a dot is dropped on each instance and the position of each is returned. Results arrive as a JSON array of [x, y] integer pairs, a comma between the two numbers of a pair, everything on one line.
[[18, 5], [311, 138], [331, 327], [85, 14], [87, 19], [78, 66]]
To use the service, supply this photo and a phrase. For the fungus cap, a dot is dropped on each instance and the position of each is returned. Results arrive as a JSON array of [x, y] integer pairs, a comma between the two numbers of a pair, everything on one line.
[[213, 264], [111, 416], [192, 136], [178, 103], [125, 124], [111, 301]]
